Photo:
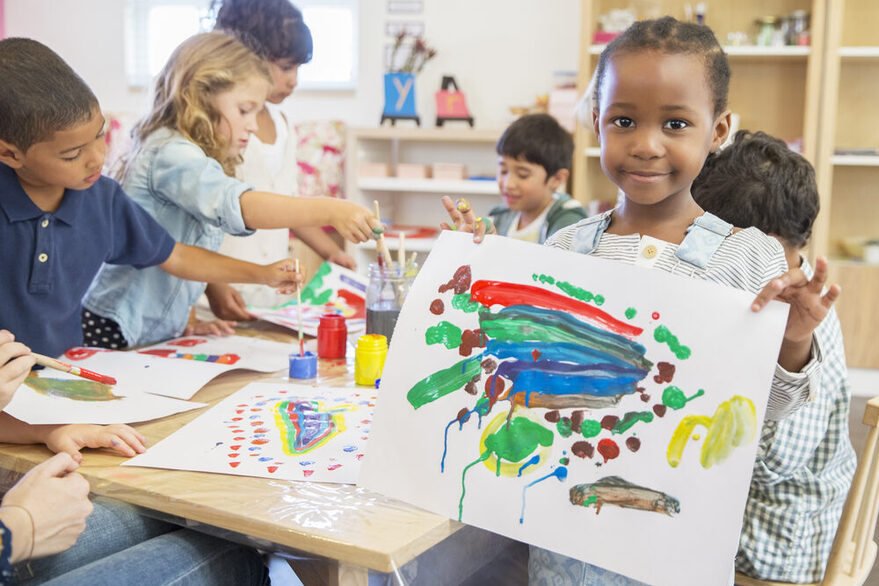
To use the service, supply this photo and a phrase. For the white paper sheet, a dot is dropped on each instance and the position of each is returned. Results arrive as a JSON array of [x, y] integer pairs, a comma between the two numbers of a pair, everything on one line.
[[269, 430], [587, 475]]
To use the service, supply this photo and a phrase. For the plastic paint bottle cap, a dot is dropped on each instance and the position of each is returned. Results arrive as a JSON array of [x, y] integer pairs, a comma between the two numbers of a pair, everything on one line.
[[303, 366]]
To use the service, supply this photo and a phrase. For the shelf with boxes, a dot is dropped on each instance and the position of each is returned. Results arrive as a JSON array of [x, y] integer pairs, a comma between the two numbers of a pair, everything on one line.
[[407, 170]]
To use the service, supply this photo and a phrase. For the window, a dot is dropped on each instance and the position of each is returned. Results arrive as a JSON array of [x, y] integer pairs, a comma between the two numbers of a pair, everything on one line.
[[155, 27]]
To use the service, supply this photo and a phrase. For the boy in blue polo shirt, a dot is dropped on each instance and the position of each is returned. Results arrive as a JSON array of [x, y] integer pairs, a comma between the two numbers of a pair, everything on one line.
[[59, 221]]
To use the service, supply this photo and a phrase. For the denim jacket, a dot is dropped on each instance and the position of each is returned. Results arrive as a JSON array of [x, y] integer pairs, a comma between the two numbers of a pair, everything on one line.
[[193, 198]]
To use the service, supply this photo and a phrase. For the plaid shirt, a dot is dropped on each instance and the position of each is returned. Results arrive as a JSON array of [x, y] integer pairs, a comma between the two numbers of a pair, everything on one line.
[[803, 471]]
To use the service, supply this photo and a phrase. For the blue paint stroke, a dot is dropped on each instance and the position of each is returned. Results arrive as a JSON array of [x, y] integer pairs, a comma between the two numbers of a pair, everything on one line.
[[561, 473]]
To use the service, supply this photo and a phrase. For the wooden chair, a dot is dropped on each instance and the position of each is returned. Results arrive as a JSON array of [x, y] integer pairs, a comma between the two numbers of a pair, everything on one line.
[[854, 549]]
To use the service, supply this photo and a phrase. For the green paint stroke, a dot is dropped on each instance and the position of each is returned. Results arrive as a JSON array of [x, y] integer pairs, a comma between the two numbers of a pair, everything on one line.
[[445, 333], [75, 390], [590, 428], [464, 303], [564, 427], [662, 335], [442, 382], [518, 439], [631, 312], [544, 279], [485, 456], [312, 294], [575, 291], [630, 419], [674, 398]]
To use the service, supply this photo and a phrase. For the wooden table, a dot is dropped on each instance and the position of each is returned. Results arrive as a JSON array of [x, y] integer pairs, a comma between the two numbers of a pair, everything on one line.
[[351, 529]]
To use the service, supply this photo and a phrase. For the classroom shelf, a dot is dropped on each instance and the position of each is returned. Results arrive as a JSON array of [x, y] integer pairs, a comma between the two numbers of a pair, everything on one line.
[[859, 52], [592, 151], [855, 160], [746, 51], [429, 134], [463, 186]]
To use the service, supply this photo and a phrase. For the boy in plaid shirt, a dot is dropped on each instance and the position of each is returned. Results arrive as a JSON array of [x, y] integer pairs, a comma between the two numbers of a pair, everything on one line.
[[805, 461]]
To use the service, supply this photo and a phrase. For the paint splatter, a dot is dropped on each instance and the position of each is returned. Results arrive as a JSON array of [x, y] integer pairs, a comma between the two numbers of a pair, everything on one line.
[[674, 397], [613, 490], [666, 372], [445, 333], [73, 389], [608, 449], [664, 336], [561, 473], [460, 282], [734, 423], [630, 419]]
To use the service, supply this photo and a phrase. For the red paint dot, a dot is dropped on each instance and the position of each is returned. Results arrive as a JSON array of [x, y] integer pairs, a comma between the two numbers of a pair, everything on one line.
[[655, 315], [234, 455], [240, 438], [272, 468], [535, 354], [334, 466], [236, 448], [307, 472], [608, 449], [234, 464], [259, 442]]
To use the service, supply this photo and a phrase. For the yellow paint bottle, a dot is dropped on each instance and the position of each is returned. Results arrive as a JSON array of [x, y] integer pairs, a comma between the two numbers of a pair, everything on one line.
[[369, 358]]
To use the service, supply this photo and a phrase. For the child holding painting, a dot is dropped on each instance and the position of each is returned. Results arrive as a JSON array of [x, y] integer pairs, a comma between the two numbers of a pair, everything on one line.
[[61, 220], [181, 170], [660, 111], [274, 30], [805, 461], [534, 161]]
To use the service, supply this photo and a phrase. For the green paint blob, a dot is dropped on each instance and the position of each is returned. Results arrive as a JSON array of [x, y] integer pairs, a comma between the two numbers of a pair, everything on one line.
[[564, 427], [464, 303], [630, 419], [631, 312], [518, 439], [599, 300], [674, 398], [575, 291], [662, 335], [545, 279], [445, 333], [590, 428], [75, 390], [564, 461], [442, 382], [587, 501]]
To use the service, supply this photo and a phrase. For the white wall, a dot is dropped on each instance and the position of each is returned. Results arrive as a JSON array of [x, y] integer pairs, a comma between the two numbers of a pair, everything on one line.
[[501, 52]]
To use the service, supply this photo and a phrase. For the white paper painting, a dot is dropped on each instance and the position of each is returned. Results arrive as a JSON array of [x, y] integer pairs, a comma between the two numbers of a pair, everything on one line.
[[228, 352], [270, 430], [603, 411]]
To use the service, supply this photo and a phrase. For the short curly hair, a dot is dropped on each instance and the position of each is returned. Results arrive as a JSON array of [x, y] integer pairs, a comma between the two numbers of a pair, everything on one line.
[[273, 29], [758, 181]]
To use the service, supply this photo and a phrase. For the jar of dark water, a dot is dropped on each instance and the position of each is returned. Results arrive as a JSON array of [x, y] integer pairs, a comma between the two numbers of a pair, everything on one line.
[[385, 294]]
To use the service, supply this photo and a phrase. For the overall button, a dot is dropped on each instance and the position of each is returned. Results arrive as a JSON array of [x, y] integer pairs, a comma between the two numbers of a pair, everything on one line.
[[44, 223], [43, 257], [649, 251]]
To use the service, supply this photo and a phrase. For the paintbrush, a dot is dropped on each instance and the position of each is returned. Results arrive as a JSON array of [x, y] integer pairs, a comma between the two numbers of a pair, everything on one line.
[[401, 255], [299, 312], [380, 245], [69, 368]]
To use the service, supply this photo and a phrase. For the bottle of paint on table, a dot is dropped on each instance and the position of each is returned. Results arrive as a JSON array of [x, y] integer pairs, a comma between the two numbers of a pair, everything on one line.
[[385, 294], [369, 358], [332, 336]]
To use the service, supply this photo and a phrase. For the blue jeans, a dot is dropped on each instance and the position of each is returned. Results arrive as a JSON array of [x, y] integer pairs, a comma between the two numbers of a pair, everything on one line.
[[547, 568], [120, 547]]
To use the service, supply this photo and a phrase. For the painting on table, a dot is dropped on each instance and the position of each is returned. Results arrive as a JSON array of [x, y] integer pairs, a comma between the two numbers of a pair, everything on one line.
[[273, 430], [584, 406]]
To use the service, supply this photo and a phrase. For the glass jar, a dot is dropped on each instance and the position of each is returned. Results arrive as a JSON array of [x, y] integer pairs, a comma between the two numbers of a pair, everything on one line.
[[385, 294], [766, 30], [799, 29]]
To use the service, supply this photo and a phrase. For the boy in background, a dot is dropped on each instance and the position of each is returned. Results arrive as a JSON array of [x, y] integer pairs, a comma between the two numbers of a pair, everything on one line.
[[534, 161], [805, 461]]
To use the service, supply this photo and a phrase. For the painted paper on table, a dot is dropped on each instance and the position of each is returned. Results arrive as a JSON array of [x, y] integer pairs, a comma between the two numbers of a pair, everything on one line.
[[228, 352], [333, 289], [53, 397], [607, 412], [269, 430]]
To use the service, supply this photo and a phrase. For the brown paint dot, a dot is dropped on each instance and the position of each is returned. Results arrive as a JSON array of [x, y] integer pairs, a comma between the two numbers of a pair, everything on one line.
[[633, 443], [471, 339], [576, 419], [437, 307], [494, 386], [608, 421], [460, 282], [552, 416], [659, 409], [462, 414], [666, 372], [488, 365], [645, 397], [583, 449], [472, 386]]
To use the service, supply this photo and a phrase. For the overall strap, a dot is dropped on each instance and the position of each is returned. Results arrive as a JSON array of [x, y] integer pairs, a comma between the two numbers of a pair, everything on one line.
[[704, 237], [589, 232]]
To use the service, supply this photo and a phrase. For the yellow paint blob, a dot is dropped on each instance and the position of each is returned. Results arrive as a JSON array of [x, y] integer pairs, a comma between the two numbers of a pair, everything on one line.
[[734, 423]]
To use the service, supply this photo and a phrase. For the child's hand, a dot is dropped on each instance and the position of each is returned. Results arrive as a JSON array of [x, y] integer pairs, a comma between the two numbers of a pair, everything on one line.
[[72, 438], [341, 258], [217, 327], [57, 499], [16, 362], [354, 222], [464, 219], [227, 303], [283, 276]]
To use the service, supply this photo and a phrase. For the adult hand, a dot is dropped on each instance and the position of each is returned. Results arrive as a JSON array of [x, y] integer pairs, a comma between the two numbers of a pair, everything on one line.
[[16, 362], [120, 438], [227, 303], [56, 498]]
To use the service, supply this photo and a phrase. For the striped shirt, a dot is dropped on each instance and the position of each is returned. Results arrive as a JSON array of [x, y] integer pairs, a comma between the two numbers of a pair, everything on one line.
[[749, 260]]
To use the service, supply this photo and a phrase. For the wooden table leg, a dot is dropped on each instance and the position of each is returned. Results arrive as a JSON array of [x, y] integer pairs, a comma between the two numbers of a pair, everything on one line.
[[330, 573]]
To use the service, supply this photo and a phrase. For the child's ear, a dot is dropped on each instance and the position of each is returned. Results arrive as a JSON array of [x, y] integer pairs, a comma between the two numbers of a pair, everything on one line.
[[558, 179], [595, 125], [722, 125], [10, 154]]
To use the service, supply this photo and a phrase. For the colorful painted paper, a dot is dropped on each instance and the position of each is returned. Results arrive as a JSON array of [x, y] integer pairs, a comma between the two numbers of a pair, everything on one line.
[[603, 411], [284, 431], [333, 289]]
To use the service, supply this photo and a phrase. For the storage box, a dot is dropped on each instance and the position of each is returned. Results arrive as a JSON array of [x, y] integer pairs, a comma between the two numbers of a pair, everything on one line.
[[368, 169], [449, 171], [413, 171]]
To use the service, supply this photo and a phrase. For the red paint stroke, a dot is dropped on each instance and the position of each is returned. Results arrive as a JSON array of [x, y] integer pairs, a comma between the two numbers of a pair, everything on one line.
[[355, 301], [261, 430], [233, 455], [506, 294], [234, 464], [460, 282], [359, 456], [272, 469], [237, 418], [256, 423], [437, 307], [81, 353], [334, 466], [236, 448], [259, 442], [188, 343], [608, 449], [535, 354], [239, 438], [307, 472]]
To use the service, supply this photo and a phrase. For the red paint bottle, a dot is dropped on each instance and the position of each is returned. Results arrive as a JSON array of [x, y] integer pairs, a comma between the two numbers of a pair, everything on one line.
[[332, 336]]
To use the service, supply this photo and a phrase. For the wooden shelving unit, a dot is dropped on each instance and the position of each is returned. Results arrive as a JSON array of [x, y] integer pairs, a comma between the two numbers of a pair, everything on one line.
[[416, 202], [848, 183]]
